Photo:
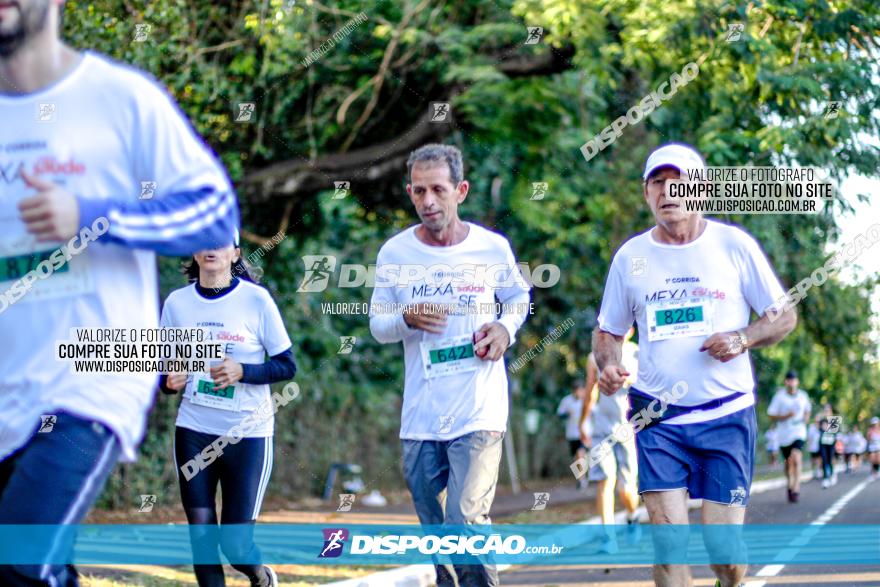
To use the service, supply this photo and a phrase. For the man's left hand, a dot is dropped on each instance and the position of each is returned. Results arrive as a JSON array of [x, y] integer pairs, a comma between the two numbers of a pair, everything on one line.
[[496, 339], [723, 346]]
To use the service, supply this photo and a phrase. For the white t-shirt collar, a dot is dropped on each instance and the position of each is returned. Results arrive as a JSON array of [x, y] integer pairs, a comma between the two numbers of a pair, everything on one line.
[[447, 249], [57, 86], [696, 241]]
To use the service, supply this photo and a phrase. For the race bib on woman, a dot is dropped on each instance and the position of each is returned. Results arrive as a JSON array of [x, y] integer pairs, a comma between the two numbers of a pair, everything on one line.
[[223, 398]]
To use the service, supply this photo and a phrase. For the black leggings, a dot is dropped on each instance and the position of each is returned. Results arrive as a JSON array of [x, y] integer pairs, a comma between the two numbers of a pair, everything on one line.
[[826, 452], [242, 472]]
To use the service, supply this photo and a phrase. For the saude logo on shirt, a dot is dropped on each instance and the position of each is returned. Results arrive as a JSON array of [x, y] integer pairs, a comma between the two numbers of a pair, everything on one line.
[[52, 166], [230, 338], [223, 335], [45, 165], [463, 294]]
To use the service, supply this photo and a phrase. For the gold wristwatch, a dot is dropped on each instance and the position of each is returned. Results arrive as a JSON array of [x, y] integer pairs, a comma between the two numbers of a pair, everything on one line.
[[743, 340]]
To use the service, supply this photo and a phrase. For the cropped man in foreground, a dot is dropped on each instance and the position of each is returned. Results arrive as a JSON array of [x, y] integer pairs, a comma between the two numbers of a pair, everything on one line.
[[82, 139]]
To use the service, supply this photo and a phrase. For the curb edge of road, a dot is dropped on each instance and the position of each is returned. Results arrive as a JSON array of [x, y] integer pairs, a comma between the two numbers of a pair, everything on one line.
[[423, 575]]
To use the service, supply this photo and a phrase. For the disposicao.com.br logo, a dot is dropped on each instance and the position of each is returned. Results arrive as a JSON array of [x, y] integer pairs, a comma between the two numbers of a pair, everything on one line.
[[430, 544], [319, 270]]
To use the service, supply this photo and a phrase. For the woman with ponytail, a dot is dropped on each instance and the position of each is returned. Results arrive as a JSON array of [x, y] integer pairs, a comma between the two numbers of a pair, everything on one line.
[[224, 300]]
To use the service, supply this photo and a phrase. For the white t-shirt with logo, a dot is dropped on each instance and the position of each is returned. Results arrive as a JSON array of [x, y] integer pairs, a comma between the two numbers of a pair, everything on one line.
[[862, 445], [771, 438], [610, 410], [248, 324], [873, 440], [451, 405], [854, 443], [794, 428], [571, 408], [813, 436], [99, 132], [690, 292]]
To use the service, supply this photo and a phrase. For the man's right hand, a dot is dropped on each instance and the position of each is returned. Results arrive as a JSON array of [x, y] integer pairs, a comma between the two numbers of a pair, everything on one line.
[[52, 214], [612, 378], [427, 317], [586, 441], [176, 381]]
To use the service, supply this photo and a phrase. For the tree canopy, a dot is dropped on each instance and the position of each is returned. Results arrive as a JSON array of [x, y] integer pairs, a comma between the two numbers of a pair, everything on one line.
[[520, 112]]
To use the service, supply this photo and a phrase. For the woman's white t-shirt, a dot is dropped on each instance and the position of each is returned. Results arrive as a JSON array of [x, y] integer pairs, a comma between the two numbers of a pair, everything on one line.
[[248, 324]]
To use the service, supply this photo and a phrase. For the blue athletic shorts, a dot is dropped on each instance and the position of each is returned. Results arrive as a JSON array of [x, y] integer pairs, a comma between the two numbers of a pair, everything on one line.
[[713, 460]]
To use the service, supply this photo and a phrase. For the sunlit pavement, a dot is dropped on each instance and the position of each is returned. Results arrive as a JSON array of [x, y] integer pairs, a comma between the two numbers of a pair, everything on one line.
[[766, 508]]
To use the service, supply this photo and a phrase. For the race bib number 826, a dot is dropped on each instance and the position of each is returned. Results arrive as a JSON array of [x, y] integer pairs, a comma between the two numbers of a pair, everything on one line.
[[679, 318]]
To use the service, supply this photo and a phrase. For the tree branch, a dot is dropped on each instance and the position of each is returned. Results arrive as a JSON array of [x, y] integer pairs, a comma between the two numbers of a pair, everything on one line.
[[369, 163], [376, 162], [557, 60]]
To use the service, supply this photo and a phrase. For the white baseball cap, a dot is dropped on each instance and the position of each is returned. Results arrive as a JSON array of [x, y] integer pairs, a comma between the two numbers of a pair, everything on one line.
[[675, 155]]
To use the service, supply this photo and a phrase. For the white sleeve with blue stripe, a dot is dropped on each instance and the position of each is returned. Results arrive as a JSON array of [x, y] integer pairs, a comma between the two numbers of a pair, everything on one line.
[[193, 206], [177, 224]]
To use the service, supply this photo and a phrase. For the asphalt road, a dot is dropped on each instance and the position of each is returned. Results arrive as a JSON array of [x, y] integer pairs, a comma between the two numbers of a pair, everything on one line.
[[816, 504]]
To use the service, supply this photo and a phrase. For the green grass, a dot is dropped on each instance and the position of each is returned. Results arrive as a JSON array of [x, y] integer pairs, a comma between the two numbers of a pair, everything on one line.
[[154, 576]]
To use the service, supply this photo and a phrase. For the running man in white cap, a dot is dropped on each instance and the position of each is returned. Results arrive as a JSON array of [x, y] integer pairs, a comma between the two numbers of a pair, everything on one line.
[[99, 170], [790, 410], [874, 447], [690, 284]]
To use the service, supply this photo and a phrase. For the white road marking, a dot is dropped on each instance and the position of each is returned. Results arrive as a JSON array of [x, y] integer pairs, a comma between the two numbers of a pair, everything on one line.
[[804, 537]]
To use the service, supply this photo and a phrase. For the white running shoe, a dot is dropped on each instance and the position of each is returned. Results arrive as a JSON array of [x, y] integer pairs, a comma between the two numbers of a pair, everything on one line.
[[273, 578], [826, 483]]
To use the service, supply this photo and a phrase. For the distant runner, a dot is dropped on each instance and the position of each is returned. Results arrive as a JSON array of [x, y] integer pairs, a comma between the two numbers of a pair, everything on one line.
[[619, 468], [813, 435], [854, 446], [827, 441], [874, 447], [570, 408], [790, 409]]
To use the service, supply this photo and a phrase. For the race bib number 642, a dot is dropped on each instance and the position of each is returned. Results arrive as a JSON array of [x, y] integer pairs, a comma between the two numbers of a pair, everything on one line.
[[449, 356]]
